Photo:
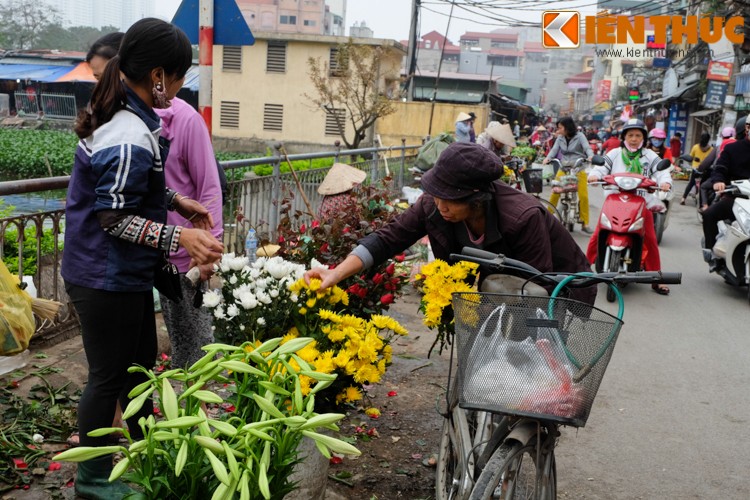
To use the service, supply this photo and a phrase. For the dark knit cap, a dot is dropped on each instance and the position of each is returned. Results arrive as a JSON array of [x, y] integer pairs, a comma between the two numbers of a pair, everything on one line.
[[463, 169]]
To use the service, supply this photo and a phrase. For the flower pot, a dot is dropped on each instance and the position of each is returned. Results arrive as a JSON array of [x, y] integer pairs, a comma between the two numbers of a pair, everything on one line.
[[311, 474]]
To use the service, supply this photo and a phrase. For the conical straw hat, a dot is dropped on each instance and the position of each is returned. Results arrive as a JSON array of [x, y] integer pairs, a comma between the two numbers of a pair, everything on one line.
[[340, 179], [501, 132], [463, 117]]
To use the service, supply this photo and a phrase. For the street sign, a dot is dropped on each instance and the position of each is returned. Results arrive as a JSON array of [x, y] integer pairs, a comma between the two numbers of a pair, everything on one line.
[[716, 92], [719, 71], [230, 27]]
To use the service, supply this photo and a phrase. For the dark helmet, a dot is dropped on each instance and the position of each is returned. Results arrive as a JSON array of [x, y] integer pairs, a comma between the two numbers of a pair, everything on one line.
[[739, 128], [634, 123]]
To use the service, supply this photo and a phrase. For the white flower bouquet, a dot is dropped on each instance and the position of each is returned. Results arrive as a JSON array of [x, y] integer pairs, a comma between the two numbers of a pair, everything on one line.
[[254, 301]]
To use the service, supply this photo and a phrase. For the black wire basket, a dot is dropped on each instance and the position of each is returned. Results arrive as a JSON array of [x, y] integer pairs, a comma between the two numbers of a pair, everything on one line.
[[531, 356]]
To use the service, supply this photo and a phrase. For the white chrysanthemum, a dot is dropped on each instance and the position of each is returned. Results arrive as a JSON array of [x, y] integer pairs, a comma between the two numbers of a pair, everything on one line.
[[233, 279], [211, 298], [247, 300], [294, 297], [237, 263], [219, 313], [273, 293], [242, 328], [315, 263], [232, 310], [260, 284], [262, 321], [254, 274]]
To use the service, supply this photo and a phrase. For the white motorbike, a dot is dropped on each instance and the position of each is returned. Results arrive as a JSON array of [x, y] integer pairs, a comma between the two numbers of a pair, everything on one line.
[[733, 242]]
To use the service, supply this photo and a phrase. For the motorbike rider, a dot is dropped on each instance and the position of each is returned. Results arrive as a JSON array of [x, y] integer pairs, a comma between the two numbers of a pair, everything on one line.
[[635, 158], [656, 138], [572, 145], [728, 136], [731, 165], [698, 152]]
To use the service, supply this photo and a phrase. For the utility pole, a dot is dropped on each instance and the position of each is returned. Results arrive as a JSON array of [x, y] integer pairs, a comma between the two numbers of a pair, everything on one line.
[[411, 53]]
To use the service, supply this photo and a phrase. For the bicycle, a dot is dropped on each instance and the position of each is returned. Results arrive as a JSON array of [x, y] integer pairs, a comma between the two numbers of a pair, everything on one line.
[[502, 419], [530, 180], [567, 187]]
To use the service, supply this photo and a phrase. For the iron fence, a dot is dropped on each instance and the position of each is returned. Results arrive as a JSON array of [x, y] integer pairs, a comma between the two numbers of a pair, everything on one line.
[[37, 238], [26, 103], [59, 106]]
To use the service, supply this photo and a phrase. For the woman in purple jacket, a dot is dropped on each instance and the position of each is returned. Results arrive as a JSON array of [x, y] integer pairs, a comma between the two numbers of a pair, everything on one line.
[[466, 205]]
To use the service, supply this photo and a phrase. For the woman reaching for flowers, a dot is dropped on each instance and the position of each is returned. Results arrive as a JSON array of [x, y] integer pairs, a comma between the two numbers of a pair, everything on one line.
[[465, 204]]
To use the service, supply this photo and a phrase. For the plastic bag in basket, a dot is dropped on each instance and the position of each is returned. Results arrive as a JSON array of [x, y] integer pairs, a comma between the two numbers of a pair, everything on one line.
[[16, 319], [532, 375]]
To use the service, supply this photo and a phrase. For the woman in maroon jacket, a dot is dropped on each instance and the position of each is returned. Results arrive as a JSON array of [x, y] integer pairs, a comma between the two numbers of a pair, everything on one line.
[[466, 205]]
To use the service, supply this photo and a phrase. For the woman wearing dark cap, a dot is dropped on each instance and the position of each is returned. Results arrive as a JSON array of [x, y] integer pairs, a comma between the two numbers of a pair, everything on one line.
[[466, 205]]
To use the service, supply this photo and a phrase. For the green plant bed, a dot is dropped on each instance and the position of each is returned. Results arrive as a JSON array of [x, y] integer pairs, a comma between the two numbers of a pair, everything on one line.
[[28, 154]]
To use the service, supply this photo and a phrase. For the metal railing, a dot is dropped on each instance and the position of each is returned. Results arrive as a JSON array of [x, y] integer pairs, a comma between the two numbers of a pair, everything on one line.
[[57, 106], [258, 199]]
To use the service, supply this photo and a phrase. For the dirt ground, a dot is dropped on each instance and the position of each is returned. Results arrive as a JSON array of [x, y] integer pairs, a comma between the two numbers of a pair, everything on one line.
[[399, 462]]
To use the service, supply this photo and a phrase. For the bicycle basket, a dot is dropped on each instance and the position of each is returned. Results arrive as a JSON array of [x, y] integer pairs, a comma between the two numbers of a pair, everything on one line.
[[531, 356], [533, 180]]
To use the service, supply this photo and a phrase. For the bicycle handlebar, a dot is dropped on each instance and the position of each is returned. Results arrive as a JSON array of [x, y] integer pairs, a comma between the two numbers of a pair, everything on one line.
[[498, 262]]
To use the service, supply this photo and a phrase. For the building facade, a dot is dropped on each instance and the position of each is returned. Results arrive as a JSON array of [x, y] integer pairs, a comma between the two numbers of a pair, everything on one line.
[[102, 13], [312, 17], [262, 93]]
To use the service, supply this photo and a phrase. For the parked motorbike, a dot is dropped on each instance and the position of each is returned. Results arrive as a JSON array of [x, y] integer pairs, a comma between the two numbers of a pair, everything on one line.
[[621, 230], [733, 241], [567, 187]]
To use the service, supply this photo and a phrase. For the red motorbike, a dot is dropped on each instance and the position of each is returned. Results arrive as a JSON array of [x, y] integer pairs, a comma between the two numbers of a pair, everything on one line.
[[618, 241]]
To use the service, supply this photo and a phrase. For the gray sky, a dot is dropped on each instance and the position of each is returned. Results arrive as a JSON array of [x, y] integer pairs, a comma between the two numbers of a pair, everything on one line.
[[390, 18]]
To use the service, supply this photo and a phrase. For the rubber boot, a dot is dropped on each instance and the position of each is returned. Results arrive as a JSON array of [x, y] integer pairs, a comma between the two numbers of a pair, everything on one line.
[[92, 481]]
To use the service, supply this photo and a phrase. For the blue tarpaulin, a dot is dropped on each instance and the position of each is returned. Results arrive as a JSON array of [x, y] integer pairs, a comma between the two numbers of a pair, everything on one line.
[[35, 72]]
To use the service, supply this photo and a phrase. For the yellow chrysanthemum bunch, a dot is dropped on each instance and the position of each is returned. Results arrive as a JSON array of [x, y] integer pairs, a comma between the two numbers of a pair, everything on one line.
[[439, 280], [355, 349], [311, 298]]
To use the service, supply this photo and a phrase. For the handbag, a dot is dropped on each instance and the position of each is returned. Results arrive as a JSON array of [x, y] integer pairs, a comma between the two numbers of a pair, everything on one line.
[[167, 279]]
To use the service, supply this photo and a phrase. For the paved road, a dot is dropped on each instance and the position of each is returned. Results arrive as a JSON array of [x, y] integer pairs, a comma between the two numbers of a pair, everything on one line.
[[671, 417]]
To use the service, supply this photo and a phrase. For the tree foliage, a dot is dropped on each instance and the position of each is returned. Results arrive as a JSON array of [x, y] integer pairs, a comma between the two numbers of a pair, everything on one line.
[[30, 24], [352, 85]]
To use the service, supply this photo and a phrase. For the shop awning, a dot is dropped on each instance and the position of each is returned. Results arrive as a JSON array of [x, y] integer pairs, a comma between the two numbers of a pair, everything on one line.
[[80, 73], [681, 91], [703, 112], [34, 72]]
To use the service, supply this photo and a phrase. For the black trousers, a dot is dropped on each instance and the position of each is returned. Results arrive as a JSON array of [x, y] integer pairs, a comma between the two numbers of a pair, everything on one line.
[[118, 330], [720, 210]]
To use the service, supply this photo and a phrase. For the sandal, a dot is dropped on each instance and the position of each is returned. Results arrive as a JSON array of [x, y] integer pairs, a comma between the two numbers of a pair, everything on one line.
[[682, 201], [660, 288]]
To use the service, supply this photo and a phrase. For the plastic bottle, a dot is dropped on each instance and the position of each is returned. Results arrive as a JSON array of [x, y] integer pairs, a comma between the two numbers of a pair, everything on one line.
[[251, 245]]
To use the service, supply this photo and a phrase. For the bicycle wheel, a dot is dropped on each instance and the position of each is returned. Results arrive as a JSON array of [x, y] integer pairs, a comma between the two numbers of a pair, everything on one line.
[[512, 473], [455, 459], [550, 208]]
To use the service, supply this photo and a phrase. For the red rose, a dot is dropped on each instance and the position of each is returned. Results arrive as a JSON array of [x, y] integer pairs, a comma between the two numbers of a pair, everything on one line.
[[354, 289], [324, 247], [362, 293], [303, 228], [378, 278], [391, 268], [346, 230], [389, 286], [281, 239], [315, 224], [399, 258], [386, 299]]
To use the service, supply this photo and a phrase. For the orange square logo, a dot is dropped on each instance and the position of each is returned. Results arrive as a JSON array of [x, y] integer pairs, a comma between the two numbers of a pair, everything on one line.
[[560, 29]]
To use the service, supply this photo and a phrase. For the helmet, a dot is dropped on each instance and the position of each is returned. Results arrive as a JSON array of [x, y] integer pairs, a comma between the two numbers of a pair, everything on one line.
[[739, 128], [727, 132], [657, 133], [633, 123]]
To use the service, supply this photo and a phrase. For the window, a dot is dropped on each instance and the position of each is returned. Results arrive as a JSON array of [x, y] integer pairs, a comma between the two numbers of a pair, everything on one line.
[[337, 64], [229, 114], [335, 120], [309, 22], [273, 117], [231, 58], [288, 20], [509, 61], [276, 57], [470, 43]]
